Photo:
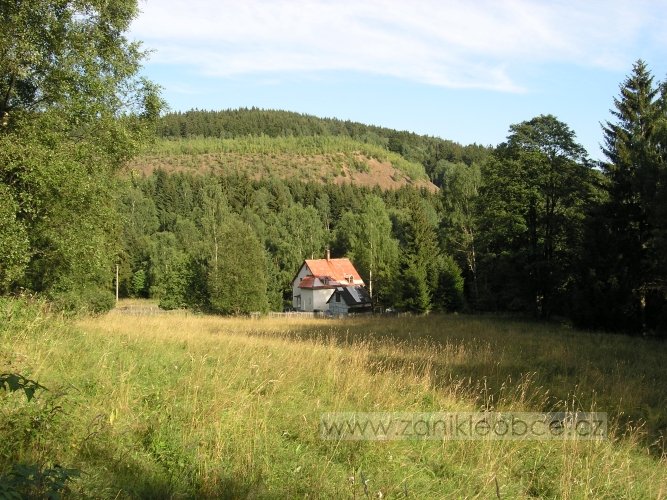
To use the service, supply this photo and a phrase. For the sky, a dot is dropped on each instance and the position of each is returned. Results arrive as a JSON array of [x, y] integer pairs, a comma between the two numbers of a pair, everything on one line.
[[460, 70]]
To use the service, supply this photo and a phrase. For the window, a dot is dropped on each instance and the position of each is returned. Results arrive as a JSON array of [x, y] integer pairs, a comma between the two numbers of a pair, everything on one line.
[[337, 297]]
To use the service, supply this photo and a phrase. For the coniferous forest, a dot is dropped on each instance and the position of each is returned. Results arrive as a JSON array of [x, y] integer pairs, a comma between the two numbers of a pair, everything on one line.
[[531, 226]]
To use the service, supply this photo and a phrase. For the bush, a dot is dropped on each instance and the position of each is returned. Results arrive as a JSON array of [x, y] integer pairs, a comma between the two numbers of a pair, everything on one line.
[[86, 301], [25, 424]]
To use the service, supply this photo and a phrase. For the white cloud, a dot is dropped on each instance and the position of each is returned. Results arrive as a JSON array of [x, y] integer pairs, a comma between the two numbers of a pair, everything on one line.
[[451, 43]]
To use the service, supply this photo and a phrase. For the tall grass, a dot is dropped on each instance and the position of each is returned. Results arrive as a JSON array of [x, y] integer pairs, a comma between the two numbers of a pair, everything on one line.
[[294, 146], [199, 406]]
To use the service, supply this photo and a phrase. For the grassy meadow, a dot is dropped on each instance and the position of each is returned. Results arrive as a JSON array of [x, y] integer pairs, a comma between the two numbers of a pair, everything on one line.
[[190, 406]]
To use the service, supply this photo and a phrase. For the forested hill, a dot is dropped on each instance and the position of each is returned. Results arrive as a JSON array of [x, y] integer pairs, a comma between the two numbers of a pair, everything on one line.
[[432, 153]]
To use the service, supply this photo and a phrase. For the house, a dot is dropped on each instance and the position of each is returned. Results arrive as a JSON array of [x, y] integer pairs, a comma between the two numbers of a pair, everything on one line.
[[349, 299], [318, 279]]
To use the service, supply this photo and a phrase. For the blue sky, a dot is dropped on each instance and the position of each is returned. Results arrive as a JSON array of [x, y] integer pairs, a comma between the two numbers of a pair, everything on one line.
[[460, 70]]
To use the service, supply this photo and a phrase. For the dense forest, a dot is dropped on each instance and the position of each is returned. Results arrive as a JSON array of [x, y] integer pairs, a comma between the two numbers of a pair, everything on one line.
[[530, 226], [73, 110], [433, 153]]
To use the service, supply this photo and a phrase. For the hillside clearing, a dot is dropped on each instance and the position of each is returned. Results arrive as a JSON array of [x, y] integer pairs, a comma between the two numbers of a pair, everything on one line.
[[311, 159]]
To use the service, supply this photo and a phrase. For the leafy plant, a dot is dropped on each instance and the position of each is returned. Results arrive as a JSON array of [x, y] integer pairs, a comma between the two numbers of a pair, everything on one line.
[[15, 382], [32, 480]]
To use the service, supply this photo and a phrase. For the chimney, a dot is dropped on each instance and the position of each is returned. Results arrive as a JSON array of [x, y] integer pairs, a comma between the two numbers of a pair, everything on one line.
[[328, 254]]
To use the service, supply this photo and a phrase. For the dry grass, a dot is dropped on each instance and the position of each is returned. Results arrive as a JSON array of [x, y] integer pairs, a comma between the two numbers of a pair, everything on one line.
[[183, 405]]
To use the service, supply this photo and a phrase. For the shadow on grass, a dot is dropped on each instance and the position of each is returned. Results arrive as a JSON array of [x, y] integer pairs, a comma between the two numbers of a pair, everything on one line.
[[141, 478], [496, 361]]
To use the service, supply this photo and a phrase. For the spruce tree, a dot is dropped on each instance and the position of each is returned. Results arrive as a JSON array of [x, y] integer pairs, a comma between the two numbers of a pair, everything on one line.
[[634, 147]]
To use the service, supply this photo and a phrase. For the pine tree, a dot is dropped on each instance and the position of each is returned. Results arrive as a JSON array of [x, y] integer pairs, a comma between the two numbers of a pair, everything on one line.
[[419, 275], [413, 288], [634, 146]]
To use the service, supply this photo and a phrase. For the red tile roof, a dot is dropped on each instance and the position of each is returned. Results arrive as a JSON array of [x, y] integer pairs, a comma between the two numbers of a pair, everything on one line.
[[337, 269], [307, 282], [318, 282]]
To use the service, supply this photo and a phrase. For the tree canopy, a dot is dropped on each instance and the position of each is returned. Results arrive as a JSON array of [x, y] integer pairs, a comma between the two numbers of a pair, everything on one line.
[[73, 108], [529, 226], [535, 190]]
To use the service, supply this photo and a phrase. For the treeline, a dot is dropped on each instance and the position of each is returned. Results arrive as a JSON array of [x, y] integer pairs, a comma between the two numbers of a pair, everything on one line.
[[543, 230], [530, 227], [433, 153], [72, 111], [534, 228], [233, 245]]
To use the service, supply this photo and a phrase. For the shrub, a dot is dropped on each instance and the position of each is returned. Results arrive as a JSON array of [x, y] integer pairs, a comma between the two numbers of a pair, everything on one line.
[[88, 300]]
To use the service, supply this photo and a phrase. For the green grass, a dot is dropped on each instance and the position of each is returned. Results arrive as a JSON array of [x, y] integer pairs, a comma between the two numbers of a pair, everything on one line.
[[185, 406]]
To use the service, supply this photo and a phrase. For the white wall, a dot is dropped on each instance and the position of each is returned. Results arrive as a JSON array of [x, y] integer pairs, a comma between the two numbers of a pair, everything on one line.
[[314, 300], [303, 272], [311, 300], [306, 299], [320, 298]]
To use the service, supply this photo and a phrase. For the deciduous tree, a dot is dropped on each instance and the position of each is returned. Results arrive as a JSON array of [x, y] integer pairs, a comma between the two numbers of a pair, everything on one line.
[[238, 283], [460, 225], [72, 109], [366, 238], [535, 188]]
